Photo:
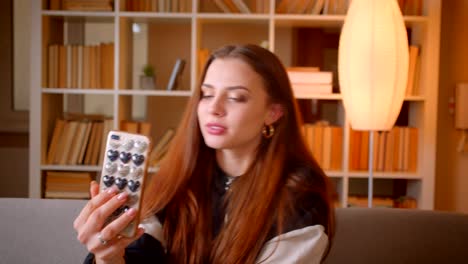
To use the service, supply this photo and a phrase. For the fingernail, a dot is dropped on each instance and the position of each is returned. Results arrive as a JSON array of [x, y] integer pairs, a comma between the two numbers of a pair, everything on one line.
[[111, 190], [122, 196], [131, 212]]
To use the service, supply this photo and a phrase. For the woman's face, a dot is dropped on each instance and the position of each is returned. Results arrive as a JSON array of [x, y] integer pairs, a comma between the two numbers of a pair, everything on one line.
[[234, 106]]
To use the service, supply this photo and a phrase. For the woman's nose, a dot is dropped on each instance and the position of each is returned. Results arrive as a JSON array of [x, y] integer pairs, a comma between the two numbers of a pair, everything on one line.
[[216, 106]]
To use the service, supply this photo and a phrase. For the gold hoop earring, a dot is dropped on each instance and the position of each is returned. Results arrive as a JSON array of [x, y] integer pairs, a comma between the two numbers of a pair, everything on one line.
[[268, 131]]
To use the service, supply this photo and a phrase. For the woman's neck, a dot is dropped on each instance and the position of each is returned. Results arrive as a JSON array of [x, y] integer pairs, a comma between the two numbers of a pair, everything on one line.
[[234, 163]]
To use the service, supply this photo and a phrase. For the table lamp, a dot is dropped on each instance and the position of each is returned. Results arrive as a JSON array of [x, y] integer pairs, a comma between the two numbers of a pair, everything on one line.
[[373, 68]]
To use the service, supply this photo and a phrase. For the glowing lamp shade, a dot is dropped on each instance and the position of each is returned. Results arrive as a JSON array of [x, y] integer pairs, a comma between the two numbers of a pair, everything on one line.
[[373, 64]]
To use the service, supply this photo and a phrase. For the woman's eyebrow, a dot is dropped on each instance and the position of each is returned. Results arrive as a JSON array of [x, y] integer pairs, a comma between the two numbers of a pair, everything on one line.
[[230, 88]]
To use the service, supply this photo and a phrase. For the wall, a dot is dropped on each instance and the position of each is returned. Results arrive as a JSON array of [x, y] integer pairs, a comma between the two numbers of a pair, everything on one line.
[[451, 167], [13, 124]]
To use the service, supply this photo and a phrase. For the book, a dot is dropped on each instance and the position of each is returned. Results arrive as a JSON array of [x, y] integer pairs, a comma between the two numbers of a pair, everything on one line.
[[80, 5], [413, 149], [316, 77], [77, 142], [318, 6], [317, 148], [311, 89], [232, 7], [96, 151], [161, 147], [309, 136], [55, 140], [203, 55], [144, 128], [282, 7], [337, 148], [326, 147], [85, 142], [354, 149], [91, 143], [174, 80], [62, 67], [129, 126], [222, 6], [364, 150], [241, 6], [389, 150], [71, 129], [412, 67]]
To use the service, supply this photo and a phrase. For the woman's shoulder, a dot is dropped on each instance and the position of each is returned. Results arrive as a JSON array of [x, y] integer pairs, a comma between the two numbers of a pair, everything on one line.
[[305, 245], [302, 176], [307, 190], [153, 227]]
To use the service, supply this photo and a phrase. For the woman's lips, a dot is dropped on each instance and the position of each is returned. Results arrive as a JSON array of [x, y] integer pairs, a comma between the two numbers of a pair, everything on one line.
[[215, 129]]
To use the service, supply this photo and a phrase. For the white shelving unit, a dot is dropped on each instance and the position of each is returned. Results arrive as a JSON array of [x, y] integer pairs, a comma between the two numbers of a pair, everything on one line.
[[209, 29]]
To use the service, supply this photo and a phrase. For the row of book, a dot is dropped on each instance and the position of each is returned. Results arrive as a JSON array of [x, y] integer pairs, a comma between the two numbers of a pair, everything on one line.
[[326, 144], [315, 7], [173, 6], [242, 6], [80, 66], [78, 141], [338, 7], [309, 81], [395, 150], [69, 185], [330, 7], [81, 140], [389, 202], [81, 5]]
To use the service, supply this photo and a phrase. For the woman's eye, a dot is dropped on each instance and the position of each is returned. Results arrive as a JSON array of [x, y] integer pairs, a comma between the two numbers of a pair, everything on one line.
[[237, 99], [206, 96]]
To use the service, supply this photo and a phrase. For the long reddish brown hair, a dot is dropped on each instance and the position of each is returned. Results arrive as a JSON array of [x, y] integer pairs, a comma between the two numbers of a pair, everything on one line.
[[259, 200]]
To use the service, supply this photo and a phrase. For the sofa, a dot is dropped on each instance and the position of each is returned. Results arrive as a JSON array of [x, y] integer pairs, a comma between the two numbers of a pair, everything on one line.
[[40, 231]]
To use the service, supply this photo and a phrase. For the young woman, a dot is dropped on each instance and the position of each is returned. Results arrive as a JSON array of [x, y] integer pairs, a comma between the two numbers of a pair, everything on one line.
[[238, 184]]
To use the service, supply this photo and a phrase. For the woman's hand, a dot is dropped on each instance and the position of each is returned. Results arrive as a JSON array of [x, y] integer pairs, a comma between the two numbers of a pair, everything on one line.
[[105, 242]]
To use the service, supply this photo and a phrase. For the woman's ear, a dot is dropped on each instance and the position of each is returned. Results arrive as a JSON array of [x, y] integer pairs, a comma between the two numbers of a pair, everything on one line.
[[274, 113]]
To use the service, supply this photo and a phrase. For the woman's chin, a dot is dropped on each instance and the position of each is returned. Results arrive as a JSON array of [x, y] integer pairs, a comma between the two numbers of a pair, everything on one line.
[[215, 145]]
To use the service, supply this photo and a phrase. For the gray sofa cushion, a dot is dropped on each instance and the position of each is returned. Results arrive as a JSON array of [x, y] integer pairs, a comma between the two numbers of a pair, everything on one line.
[[382, 236], [39, 231]]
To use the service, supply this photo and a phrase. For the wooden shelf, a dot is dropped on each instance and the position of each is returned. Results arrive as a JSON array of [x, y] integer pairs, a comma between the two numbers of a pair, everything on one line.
[[171, 36]]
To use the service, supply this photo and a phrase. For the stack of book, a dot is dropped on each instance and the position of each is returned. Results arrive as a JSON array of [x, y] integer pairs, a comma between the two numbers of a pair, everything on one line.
[[395, 150], [239, 6], [315, 7], [80, 66], [173, 6], [74, 185], [81, 5], [326, 144], [309, 81], [362, 201], [136, 127], [382, 201], [78, 140]]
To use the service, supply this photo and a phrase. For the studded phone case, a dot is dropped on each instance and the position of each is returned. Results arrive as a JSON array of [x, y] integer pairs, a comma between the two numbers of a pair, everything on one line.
[[125, 166]]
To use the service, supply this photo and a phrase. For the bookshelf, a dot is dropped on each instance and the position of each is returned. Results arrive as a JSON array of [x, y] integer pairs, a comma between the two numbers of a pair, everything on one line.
[[192, 26]]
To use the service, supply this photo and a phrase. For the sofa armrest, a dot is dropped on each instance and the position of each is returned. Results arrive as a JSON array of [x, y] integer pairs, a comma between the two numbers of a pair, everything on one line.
[[39, 231], [384, 235]]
